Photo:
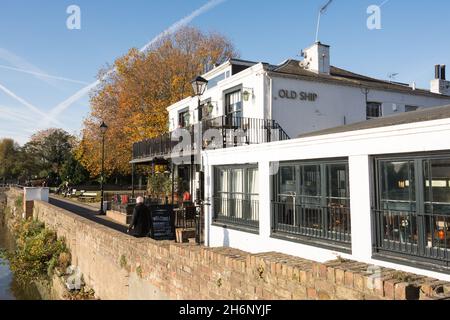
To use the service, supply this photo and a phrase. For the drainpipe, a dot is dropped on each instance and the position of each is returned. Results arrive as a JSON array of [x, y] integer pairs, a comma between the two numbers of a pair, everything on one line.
[[270, 98]]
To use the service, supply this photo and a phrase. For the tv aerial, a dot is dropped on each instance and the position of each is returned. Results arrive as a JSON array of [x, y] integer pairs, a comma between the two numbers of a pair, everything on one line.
[[393, 76], [322, 10]]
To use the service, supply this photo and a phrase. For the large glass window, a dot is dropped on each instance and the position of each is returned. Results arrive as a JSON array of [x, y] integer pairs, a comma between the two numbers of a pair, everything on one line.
[[413, 207], [311, 200], [236, 195]]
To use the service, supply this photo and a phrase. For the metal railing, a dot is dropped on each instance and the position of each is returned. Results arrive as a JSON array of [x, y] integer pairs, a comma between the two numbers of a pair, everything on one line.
[[330, 224], [238, 131], [422, 235], [236, 212], [156, 147], [223, 132]]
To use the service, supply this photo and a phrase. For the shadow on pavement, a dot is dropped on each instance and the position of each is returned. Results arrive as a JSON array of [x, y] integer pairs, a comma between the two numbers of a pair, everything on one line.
[[90, 214]]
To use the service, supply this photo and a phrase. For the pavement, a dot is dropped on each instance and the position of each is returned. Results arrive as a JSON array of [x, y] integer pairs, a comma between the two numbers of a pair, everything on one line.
[[88, 211]]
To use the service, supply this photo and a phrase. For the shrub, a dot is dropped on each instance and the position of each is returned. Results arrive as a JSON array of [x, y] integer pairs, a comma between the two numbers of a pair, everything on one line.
[[19, 202], [38, 251]]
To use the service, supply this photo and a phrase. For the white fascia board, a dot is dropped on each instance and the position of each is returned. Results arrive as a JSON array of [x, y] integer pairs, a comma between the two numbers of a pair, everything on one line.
[[241, 75], [217, 70], [181, 103], [347, 140]]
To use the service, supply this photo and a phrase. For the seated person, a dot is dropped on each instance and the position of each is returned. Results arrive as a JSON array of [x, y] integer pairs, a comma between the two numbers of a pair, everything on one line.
[[186, 197], [141, 223]]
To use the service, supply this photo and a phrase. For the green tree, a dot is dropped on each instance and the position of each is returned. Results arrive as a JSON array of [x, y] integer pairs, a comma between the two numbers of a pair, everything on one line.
[[46, 152], [73, 171], [9, 151]]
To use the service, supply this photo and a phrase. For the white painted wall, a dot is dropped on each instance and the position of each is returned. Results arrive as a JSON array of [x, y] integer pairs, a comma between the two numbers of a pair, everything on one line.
[[358, 146], [251, 80], [336, 105], [36, 194]]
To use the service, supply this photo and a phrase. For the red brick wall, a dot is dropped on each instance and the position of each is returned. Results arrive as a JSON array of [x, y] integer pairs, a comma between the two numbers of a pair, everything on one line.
[[120, 267]]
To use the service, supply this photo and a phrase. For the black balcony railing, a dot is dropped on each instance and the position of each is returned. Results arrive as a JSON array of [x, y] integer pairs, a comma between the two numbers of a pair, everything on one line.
[[425, 236], [217, 133], [330, 225], [236, 212]]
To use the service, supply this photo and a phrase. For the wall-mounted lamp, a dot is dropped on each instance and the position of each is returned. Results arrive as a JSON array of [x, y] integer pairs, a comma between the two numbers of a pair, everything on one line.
[[247, 93]]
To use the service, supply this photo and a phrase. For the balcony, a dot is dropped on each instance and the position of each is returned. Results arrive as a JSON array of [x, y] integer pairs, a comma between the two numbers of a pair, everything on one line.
[[218, 133]]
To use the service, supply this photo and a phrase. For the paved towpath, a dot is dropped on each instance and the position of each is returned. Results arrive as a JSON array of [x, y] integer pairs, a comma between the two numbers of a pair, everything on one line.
[[89, 212]]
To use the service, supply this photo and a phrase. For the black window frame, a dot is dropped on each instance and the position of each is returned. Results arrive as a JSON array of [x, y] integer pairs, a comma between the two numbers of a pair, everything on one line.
[[245, 199], [325, 203], [226, 104], [181, 118], [379, 107], [412, 224]]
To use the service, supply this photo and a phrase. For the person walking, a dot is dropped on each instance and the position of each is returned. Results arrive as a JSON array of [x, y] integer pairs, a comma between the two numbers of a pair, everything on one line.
[[141, 222]]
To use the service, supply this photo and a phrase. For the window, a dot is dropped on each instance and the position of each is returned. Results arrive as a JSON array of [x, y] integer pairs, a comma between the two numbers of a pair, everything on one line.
[[411, 108], [214, 81], [183, 118], [311, 200], [233, 104], [236, 196], [413, 208], [374, 110]]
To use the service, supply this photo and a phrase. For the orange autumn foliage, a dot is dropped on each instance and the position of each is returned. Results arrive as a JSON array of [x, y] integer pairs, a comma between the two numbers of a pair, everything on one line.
[[133, 100]]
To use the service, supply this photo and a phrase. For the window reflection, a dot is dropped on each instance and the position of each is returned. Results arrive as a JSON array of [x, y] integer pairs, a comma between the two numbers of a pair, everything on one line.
[[414, 206], [312, 199]]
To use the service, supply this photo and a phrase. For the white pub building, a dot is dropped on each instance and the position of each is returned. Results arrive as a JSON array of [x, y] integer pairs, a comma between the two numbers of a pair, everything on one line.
[[326, 163]]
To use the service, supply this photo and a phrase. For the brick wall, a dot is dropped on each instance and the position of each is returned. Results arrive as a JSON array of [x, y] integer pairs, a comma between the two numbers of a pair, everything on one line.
[[120, 267]]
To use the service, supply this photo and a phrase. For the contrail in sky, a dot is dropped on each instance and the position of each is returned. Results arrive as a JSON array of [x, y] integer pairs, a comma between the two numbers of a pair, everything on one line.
[[11, 115], [173, 28], [44, 75], [26, 104], [21, 63], [185, 21], [68, 102]]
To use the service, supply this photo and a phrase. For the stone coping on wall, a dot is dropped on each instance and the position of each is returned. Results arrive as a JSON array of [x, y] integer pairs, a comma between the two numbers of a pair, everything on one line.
[[188, 271]]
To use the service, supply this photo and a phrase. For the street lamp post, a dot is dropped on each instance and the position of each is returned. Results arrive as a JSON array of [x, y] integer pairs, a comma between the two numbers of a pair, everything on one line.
[[103, 128], [199, 85]]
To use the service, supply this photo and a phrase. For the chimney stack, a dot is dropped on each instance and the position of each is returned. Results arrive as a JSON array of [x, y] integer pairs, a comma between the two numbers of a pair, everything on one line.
[[440, 85], [439, 72], [317, 58]]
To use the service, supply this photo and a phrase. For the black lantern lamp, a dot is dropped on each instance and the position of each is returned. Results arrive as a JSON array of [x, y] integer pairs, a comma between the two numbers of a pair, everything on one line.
[[199, 85]]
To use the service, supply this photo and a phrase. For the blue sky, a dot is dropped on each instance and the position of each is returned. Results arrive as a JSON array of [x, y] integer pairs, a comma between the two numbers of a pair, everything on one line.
[[414, 37]]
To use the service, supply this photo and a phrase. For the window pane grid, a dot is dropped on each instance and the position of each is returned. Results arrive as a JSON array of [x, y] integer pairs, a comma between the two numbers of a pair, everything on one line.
[[236, 197], [311, 201], [413, 209]]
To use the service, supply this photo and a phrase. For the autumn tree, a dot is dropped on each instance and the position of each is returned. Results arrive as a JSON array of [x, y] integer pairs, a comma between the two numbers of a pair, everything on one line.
[[133, 99]]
